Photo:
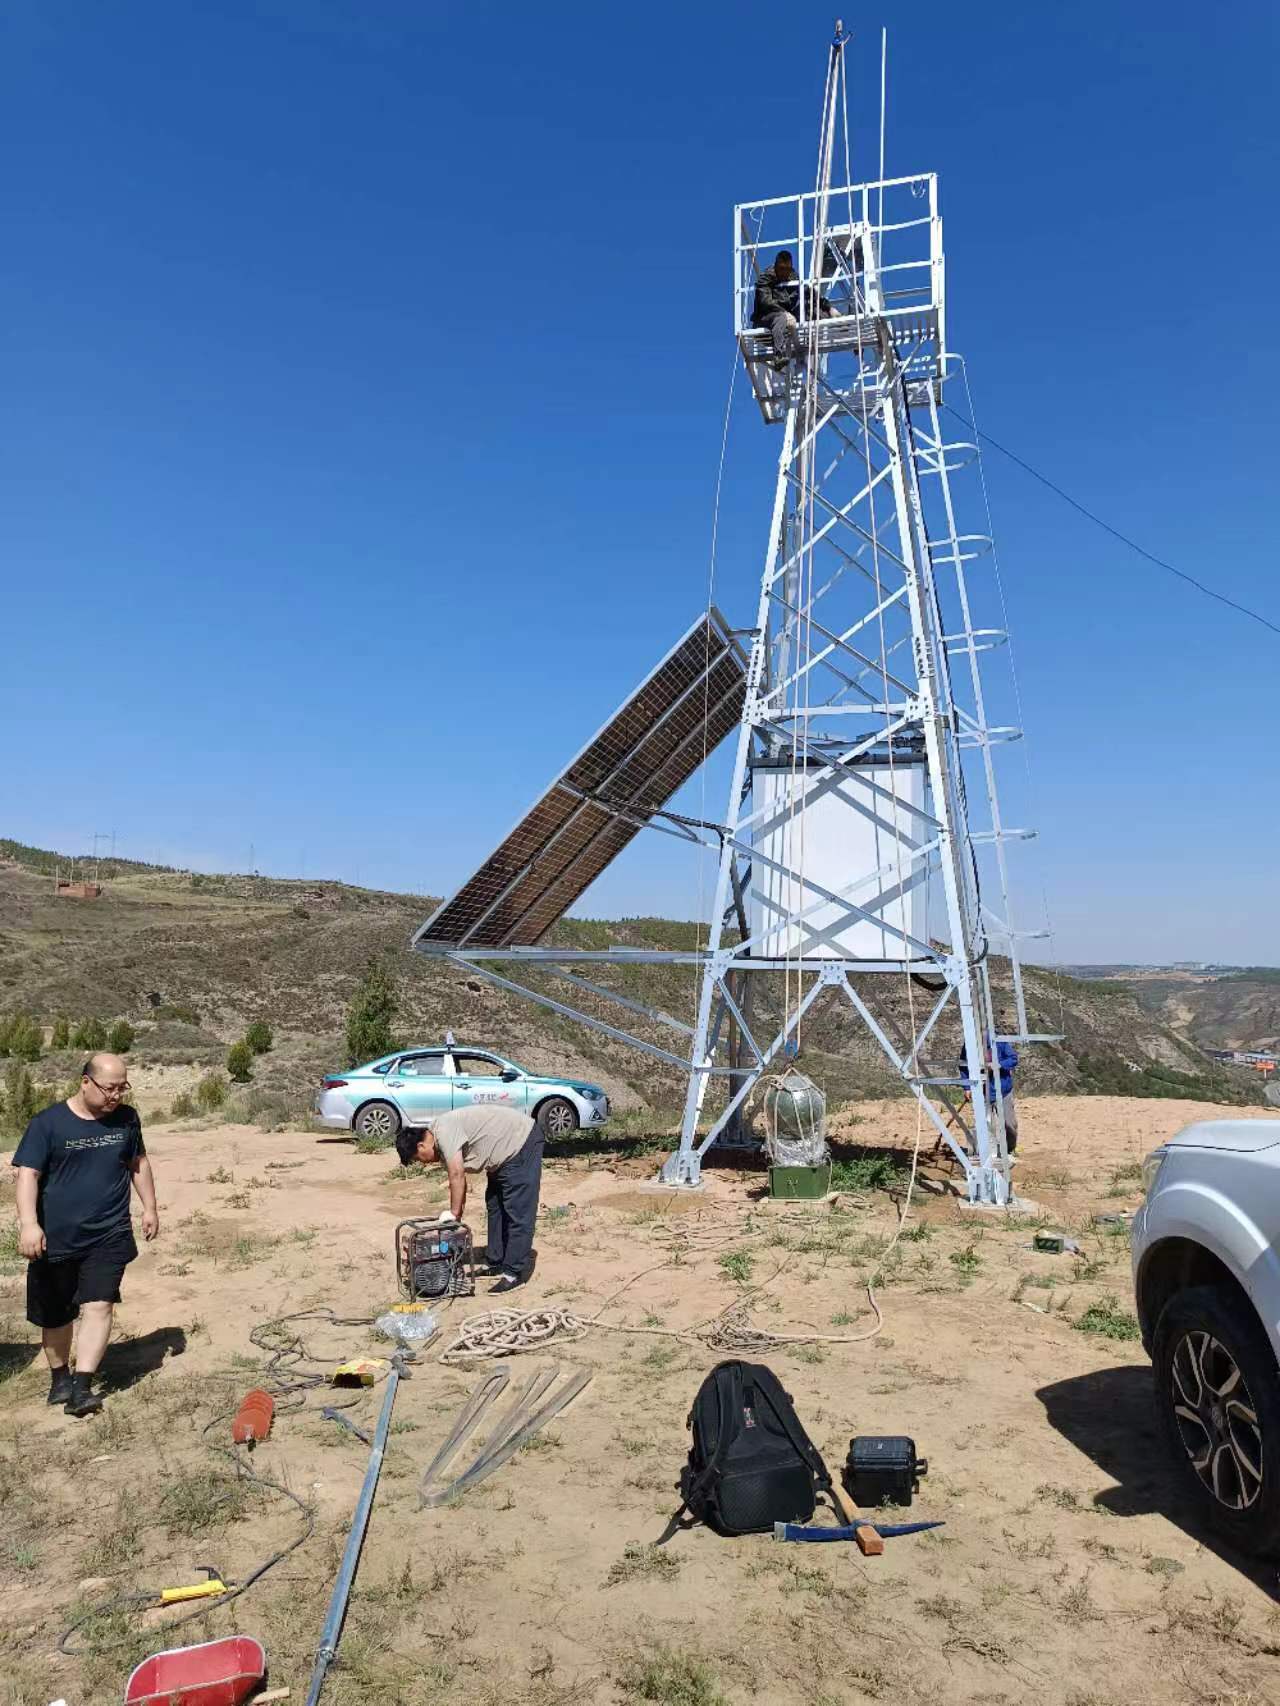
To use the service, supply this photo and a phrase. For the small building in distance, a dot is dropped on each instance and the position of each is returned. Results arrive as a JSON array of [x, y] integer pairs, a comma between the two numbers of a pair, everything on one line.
[[67, 890]]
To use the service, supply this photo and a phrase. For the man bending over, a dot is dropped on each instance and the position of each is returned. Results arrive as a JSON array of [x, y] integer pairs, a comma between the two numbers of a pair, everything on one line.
[[74, 1167], [506, 1146]]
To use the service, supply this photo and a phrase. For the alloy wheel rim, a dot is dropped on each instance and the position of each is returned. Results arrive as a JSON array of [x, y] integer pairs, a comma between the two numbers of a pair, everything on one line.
[[1217, 1420], [559, 1121], [377, 1122]]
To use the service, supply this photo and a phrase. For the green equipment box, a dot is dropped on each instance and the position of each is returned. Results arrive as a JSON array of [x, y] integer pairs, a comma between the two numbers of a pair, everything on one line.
[[806, 1184]]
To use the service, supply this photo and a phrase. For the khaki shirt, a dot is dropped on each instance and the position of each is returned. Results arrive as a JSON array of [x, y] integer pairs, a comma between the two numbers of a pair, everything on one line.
[[485, 1135]]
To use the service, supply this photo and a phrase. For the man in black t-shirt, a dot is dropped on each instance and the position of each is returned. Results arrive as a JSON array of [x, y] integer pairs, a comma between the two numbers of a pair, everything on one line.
[[75, 1165]]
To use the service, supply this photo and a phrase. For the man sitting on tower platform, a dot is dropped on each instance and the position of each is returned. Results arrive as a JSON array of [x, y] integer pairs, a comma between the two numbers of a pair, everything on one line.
[[777, 305]]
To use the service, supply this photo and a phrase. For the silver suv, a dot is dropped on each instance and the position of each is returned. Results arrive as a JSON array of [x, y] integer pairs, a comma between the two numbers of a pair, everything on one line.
[[1206, 1274]]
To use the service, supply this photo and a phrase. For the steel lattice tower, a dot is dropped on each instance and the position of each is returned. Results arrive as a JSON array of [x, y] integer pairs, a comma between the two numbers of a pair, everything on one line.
[[848, 852], [863, 840]]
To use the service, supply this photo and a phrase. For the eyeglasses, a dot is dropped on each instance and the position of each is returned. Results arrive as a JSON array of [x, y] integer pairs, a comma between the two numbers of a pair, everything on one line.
[[111, 1089]]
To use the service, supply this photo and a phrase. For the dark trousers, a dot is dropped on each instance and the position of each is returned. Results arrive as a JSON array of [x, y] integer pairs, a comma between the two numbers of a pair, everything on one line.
[[511, 1198]]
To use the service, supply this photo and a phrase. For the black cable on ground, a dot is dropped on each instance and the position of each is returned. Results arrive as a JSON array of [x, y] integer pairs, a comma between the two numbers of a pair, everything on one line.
[[285, 1377], [136, 1601]]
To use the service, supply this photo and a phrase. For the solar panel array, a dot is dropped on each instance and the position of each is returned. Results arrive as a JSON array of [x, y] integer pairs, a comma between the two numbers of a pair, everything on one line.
[[646, 751]]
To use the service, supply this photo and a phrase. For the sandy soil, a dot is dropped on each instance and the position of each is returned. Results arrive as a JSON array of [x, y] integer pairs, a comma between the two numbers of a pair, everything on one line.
[[1066, 1572]]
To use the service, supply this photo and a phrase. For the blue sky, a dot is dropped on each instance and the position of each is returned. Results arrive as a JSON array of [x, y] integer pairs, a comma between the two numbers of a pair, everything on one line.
[[363, 378]]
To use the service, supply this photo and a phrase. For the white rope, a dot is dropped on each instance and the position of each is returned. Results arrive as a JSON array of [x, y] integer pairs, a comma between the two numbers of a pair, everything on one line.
[[706, 661]]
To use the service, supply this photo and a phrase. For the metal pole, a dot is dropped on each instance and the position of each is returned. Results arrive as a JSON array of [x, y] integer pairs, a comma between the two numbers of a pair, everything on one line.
[[332, 1631]]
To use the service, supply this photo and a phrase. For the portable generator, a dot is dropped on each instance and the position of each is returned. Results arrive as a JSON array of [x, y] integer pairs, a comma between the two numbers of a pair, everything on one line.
[[434, 1259]]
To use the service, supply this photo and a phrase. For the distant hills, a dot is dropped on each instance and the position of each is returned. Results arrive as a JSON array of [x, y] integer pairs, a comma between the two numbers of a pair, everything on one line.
[[229, 949]]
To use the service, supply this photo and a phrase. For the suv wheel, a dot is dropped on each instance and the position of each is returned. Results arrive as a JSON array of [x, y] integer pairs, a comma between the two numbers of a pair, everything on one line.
[[1219, 1399], [378, 1120], [557, 1117]]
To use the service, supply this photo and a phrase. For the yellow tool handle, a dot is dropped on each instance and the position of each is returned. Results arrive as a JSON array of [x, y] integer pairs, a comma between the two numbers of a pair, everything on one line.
[[198, 1590]]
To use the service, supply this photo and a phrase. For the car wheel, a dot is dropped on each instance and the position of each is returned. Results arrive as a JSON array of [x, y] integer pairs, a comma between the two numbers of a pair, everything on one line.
[[378, 1120], [557, 1117], [1219, 1400]]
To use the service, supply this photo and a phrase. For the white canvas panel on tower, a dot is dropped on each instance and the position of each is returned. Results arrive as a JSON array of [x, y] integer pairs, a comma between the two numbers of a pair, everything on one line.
[[840, 839]]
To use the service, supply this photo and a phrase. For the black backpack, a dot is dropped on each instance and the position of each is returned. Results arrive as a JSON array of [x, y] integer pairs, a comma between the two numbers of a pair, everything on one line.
[[751, 1463]]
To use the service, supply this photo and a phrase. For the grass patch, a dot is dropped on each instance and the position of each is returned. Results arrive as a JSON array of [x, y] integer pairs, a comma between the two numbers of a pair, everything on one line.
[[541, 1442], [810, 1353], [736, 1265], [670, 1677], [1107, 1318], [643, 1563], [966, 1261], [867, 1172], [661, 1357], [224, 1241], [371, 1145], [1062, 1497], [200, 1500]]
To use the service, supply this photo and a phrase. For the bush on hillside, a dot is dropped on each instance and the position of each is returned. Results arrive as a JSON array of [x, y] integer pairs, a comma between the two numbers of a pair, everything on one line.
[[61, 1037], [23, 1099], [89, 1035], [21, 1037], [183, 1107], [269, 1110], [240, 1062], [369, 1016], [120, 1037], [259, 1037], [176, 1011], [211, 1091], [1111, 1075]]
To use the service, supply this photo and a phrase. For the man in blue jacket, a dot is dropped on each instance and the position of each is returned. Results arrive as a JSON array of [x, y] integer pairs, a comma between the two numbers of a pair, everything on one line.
[[1006, 1064]]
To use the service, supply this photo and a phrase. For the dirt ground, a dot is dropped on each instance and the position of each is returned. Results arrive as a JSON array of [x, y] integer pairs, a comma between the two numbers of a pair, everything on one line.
[[1066, 1571]]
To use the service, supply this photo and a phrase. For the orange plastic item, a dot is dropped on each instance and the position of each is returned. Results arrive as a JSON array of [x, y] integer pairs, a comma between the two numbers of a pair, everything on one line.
[[253, 1418]]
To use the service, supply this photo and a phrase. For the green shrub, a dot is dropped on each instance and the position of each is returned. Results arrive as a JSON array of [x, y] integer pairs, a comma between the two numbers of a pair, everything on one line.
[[866, 1172], [269, 1110], [240, 1062], [61, 1037], [1111, 1075], [1110, 1319], [120, 1037], [183, 1106], [23, 1098], [259, 1037], [211, 1091], [371, 1144], [25, 1038], [369, 1016], [89, 1035], [177, 1012]]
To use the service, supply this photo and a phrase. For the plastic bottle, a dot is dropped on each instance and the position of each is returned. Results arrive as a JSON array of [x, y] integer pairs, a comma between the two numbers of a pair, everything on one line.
[[253, 1418]]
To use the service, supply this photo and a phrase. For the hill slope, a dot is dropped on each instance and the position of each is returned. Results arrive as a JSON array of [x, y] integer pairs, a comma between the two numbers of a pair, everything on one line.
[[234, 949]]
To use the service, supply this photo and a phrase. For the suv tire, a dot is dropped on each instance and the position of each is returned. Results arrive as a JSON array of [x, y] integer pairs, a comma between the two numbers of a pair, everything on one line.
[[557, 1117], [1218, 1393], [378, 1119]]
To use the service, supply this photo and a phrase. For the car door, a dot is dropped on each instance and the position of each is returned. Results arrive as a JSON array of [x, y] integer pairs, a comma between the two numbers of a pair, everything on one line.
[[421, 1085], [479, 1078]]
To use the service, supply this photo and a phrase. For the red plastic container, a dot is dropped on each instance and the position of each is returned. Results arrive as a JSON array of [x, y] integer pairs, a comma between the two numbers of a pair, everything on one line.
[[216, 1673], [253, 1418]]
